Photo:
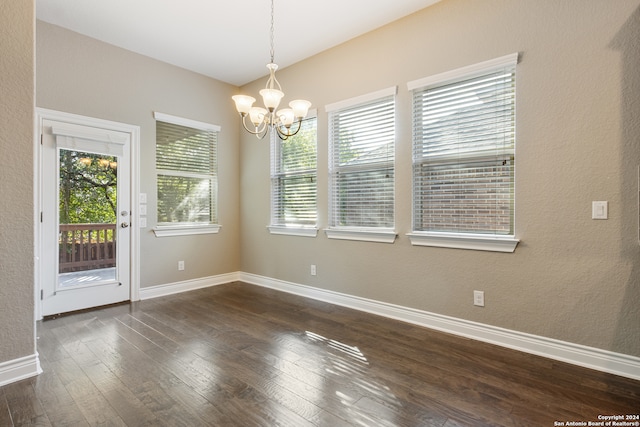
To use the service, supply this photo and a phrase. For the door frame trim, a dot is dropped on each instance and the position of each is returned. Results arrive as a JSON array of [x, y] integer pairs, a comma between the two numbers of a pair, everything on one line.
[[134, 156]]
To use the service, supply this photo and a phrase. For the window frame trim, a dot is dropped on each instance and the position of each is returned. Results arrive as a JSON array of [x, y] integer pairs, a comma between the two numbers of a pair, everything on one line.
[[297, 230], [185, 229], [367, 234], [478, 242], [362, 99], [382, 235], [467, 72], [472, 241], [181, 121]]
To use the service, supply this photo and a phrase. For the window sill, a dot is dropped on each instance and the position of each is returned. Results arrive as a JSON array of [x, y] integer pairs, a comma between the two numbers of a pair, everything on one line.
[[364, 235], [185, 230], [293, 231], [476, 242]]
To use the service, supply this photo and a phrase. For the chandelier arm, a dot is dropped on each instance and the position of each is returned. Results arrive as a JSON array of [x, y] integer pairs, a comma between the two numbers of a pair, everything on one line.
[[264, 133], [288, 133], [283, 136], [262, 129]]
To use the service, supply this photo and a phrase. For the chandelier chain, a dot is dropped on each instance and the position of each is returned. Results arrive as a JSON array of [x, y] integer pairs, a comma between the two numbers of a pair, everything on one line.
[[272, 33], [285, 122]]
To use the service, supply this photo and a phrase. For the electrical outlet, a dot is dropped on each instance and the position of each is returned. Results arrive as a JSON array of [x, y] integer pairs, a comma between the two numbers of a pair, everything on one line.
[[478, 298], [313, 270], [180, 265]]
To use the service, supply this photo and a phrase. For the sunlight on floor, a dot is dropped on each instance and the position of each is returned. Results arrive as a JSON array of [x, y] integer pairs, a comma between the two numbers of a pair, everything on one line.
[[347, 349], [364, 399]]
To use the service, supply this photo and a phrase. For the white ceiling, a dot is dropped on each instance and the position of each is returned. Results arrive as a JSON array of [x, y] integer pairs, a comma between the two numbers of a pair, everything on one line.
[[225, 39]]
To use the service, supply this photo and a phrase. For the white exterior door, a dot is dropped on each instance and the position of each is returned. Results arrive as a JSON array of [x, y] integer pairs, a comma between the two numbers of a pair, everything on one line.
[[85, 228]]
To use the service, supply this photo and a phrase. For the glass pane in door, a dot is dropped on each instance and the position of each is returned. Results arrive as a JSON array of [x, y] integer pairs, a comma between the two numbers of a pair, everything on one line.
[[87, 218]]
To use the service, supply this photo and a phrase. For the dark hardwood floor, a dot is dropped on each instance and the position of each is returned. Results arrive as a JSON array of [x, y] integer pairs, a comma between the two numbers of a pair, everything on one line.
[[240, 355]]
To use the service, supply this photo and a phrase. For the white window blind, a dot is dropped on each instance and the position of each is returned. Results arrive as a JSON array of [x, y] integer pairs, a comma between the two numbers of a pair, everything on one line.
[[186, 165], [464, 153], [293, 177], [362, 152]]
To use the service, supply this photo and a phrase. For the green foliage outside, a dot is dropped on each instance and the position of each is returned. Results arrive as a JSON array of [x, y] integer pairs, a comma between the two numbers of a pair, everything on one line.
[[87, 188]]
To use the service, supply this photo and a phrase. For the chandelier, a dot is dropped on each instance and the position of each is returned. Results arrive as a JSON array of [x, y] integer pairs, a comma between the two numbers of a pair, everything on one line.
[[268, 119]]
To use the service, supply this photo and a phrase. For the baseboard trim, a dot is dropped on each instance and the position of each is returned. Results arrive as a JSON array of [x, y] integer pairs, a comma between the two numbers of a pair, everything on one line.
[[576, 354], [19, 369], [187, 285]]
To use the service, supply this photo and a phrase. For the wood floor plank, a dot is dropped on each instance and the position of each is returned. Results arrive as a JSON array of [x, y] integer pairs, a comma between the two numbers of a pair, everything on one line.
[[24, 406], [120, 397], [240, 355], [59, 406], [338, 365], [5, 413], [94, 406]]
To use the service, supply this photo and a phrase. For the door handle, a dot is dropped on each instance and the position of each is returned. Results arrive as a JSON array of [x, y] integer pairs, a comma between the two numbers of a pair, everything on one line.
[[124, 225]]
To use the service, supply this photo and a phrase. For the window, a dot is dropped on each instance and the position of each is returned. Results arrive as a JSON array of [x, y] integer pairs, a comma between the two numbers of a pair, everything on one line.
[[464, 157], [186, 170], [293, 182], [361, 163]]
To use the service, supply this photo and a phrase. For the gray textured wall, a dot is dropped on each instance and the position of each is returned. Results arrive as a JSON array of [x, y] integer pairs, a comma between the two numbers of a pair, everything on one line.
[[80, 75], [17, 35], [578, 135]]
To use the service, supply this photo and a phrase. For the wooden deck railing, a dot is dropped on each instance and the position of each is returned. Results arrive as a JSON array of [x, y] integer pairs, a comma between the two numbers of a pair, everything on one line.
[[86, 247]]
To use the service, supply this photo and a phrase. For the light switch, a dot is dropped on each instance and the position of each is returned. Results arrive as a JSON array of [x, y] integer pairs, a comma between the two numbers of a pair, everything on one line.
[[143, 209], [143, 197], [143, 222], [600, 210]]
